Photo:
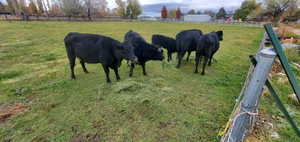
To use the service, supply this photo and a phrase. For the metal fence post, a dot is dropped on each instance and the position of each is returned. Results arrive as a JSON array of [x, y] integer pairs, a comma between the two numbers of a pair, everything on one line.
[[242, 121]]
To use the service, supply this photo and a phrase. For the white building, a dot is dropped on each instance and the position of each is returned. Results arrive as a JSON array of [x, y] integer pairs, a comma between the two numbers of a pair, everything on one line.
[[197, 18]]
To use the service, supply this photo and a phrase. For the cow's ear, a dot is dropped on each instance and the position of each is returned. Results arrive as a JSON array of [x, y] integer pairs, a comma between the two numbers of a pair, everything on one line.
[[220, 33]]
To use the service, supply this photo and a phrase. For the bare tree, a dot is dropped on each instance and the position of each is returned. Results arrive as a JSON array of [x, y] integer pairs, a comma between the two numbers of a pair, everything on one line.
[[121, 9], [93, 7], [32, 7], [71, 7], [13, 6], [2, 7], [277, 8]]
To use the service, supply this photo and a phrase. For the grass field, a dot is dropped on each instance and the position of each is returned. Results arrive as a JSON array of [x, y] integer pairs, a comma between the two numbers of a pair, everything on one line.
[[167, 105]]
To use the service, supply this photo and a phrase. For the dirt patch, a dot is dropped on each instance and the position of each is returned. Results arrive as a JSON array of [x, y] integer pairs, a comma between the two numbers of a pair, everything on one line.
[[263, 128], [9, 111]]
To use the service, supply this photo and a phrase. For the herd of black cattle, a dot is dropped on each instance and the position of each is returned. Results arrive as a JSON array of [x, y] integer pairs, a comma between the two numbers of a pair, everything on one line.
[[92, 48]]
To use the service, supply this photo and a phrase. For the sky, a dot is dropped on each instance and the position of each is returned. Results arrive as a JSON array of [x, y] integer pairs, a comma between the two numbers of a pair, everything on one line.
[[191, 3]]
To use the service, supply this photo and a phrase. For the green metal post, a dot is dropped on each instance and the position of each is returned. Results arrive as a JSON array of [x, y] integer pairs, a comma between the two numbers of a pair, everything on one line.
[[283, 59], [282, 108], [278, 101]]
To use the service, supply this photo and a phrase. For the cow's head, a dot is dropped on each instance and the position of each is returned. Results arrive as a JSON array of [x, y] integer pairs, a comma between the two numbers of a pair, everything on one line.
[[155, 52], [220, 35], [127, 52]]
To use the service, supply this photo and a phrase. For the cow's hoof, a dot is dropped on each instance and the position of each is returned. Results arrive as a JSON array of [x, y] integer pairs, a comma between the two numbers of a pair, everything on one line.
[[86, 72], [203, 73], [196, 72]]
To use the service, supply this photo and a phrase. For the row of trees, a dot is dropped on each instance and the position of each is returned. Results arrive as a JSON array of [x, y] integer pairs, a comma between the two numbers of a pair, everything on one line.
[[276, 10], [221, 14], [175, 13], [57, 7], [126, 9]]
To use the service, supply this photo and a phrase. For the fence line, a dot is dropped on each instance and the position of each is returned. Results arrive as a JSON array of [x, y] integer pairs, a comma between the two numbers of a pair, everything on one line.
[[59, 18], [115, 18]]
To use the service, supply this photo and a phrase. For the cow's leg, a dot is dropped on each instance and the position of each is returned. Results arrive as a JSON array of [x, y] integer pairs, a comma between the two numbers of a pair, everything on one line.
[[210, 59], [106, 70], [169, 56], [72, 60], [144, 68], [179, 56], [188, 56], [131, 69], [197, 60], [204, 64], [117, 73], [179, 62], [83, 66]]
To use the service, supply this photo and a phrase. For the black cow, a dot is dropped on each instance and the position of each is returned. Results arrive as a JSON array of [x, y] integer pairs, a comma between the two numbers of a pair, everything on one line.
[[165, 42], [186, 41], [92, 48], [143, 50], [207, 46]]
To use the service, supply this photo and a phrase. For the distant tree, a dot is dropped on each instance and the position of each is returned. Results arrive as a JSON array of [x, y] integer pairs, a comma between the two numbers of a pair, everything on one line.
[[55, 9], [93, 7], [277, 8], [293, 17], [247, 7], [192, 12], [2, 7], [40, 5], [199, 12], [13, 6], [221, 14], [121, 9], [257, 12], [32, 7], [134, 8], [210, 13], [102, 7], [172, 13], [71, 7], [128, 11], [164, 12], [22, 6], [178, 13]]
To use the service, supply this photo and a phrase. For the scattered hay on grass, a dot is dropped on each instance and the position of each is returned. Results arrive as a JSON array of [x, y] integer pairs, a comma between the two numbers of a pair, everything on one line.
[[263, 128]]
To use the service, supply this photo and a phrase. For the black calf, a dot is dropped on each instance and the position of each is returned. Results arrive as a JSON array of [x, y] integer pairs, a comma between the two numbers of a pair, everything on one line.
[[207, 46]]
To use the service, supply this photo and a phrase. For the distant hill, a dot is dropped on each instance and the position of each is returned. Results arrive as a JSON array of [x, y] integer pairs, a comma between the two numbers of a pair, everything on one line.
[[154, 9], [158, 7]]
